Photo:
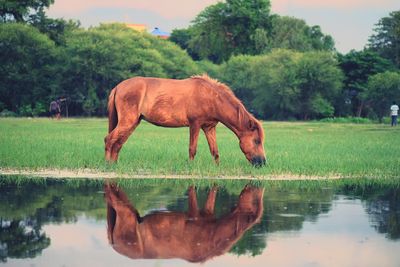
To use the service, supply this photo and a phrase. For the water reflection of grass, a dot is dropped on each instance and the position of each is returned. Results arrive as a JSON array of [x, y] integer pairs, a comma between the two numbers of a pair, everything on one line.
[[322, 149], [234, 186]]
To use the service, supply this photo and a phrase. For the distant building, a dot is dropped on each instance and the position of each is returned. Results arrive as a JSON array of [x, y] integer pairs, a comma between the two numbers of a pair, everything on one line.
[[143, 28], [160, 34], [137, 27]]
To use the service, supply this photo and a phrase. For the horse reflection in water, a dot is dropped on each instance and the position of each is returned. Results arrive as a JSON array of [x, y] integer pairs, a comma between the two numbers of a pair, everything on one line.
[[195, 235]]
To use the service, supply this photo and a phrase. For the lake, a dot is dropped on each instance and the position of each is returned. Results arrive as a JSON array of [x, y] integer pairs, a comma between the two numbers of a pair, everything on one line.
[[54, 222]]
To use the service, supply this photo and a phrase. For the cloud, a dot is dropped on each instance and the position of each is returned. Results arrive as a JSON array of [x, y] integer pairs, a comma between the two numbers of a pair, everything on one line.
[[95, 16], [167, 9], [283, 5]]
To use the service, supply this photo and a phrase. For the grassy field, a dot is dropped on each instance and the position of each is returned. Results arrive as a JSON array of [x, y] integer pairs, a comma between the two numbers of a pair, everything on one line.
[[293, 149]]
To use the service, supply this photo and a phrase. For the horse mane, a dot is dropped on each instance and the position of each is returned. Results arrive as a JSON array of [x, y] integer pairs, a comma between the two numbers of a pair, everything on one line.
[[243, 115], [219, 86], [225, 91]]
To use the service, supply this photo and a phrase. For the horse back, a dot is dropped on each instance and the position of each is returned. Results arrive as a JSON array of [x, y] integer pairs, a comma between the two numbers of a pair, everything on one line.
[[167, 102]]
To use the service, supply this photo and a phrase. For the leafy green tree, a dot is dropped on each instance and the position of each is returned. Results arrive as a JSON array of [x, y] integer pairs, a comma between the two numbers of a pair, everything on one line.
[[206, 66], [242, 19], [33, 12], [386, 40], [56, 29], [28, 69], [210, 39], [261, 41], [225, 29], [320, 81], [246, 27], [91, 102], [383, 89], [357, 67], [273, 79], [293, 33], [320, 41], [182, 38], [236, 72], [285, 84], [21, 11], [176, 63], [94, 62]]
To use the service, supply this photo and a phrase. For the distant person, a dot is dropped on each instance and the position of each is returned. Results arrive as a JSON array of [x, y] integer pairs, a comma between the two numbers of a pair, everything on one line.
[[394, 109], [55, 109]]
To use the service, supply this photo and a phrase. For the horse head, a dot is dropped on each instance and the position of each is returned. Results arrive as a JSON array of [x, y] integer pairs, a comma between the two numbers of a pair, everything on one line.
[[251, 141], [250, 201]]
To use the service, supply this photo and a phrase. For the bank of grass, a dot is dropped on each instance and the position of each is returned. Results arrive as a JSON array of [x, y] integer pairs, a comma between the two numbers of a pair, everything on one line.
[[293, 149], [180, 185]]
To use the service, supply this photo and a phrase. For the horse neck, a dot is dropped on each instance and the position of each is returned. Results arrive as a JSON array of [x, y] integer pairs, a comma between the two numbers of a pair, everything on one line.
[[231, 227], [233, 116]]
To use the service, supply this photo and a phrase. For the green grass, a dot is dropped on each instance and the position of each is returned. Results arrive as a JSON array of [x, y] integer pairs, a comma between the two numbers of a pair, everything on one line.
[[292, 148], [347, 120]]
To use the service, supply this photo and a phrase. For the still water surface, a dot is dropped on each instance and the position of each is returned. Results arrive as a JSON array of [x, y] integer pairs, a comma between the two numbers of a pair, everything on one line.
[[61, 223]]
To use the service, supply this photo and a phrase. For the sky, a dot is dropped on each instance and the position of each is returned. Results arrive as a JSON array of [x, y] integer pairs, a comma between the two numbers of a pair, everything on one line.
[[349, 22]]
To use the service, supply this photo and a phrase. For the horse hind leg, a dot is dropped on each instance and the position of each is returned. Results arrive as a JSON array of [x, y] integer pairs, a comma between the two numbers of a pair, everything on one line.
[[117, 137]]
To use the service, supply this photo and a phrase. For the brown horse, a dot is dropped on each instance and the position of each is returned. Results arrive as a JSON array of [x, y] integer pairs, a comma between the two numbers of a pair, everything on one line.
[[198, 102], [195, 235]]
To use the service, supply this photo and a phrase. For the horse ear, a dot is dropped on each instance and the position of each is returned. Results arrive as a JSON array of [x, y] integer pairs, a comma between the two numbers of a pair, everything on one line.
[[252, 125]]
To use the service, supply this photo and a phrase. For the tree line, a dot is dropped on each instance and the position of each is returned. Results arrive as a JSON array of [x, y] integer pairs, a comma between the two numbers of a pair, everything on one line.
[[280, 67], [83, 68]]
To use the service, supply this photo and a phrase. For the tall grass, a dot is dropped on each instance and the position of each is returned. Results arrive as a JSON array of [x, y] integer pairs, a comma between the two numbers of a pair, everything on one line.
[[347, 120], [183, 184], [292, 148]]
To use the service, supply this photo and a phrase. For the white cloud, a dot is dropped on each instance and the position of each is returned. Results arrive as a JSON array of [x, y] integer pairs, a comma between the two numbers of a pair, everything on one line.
[[283, 5]]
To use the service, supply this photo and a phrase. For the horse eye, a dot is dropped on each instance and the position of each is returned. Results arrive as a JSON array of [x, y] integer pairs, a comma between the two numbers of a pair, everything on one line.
[[257, 141]]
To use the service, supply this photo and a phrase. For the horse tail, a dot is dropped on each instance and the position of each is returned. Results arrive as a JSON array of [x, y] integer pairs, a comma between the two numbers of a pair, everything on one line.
[[112, 111]]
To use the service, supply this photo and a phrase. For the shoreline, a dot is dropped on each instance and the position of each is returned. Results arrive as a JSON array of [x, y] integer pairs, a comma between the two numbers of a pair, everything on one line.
[[92, 174]]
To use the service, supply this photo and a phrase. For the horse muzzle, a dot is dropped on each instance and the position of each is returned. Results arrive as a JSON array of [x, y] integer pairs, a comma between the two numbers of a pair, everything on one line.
[[258, 161]]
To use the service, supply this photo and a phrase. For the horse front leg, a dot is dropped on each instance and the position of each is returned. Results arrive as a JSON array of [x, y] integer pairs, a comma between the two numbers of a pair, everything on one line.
[[194, 136], [210, 203], [193, 211], [211, 135]]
